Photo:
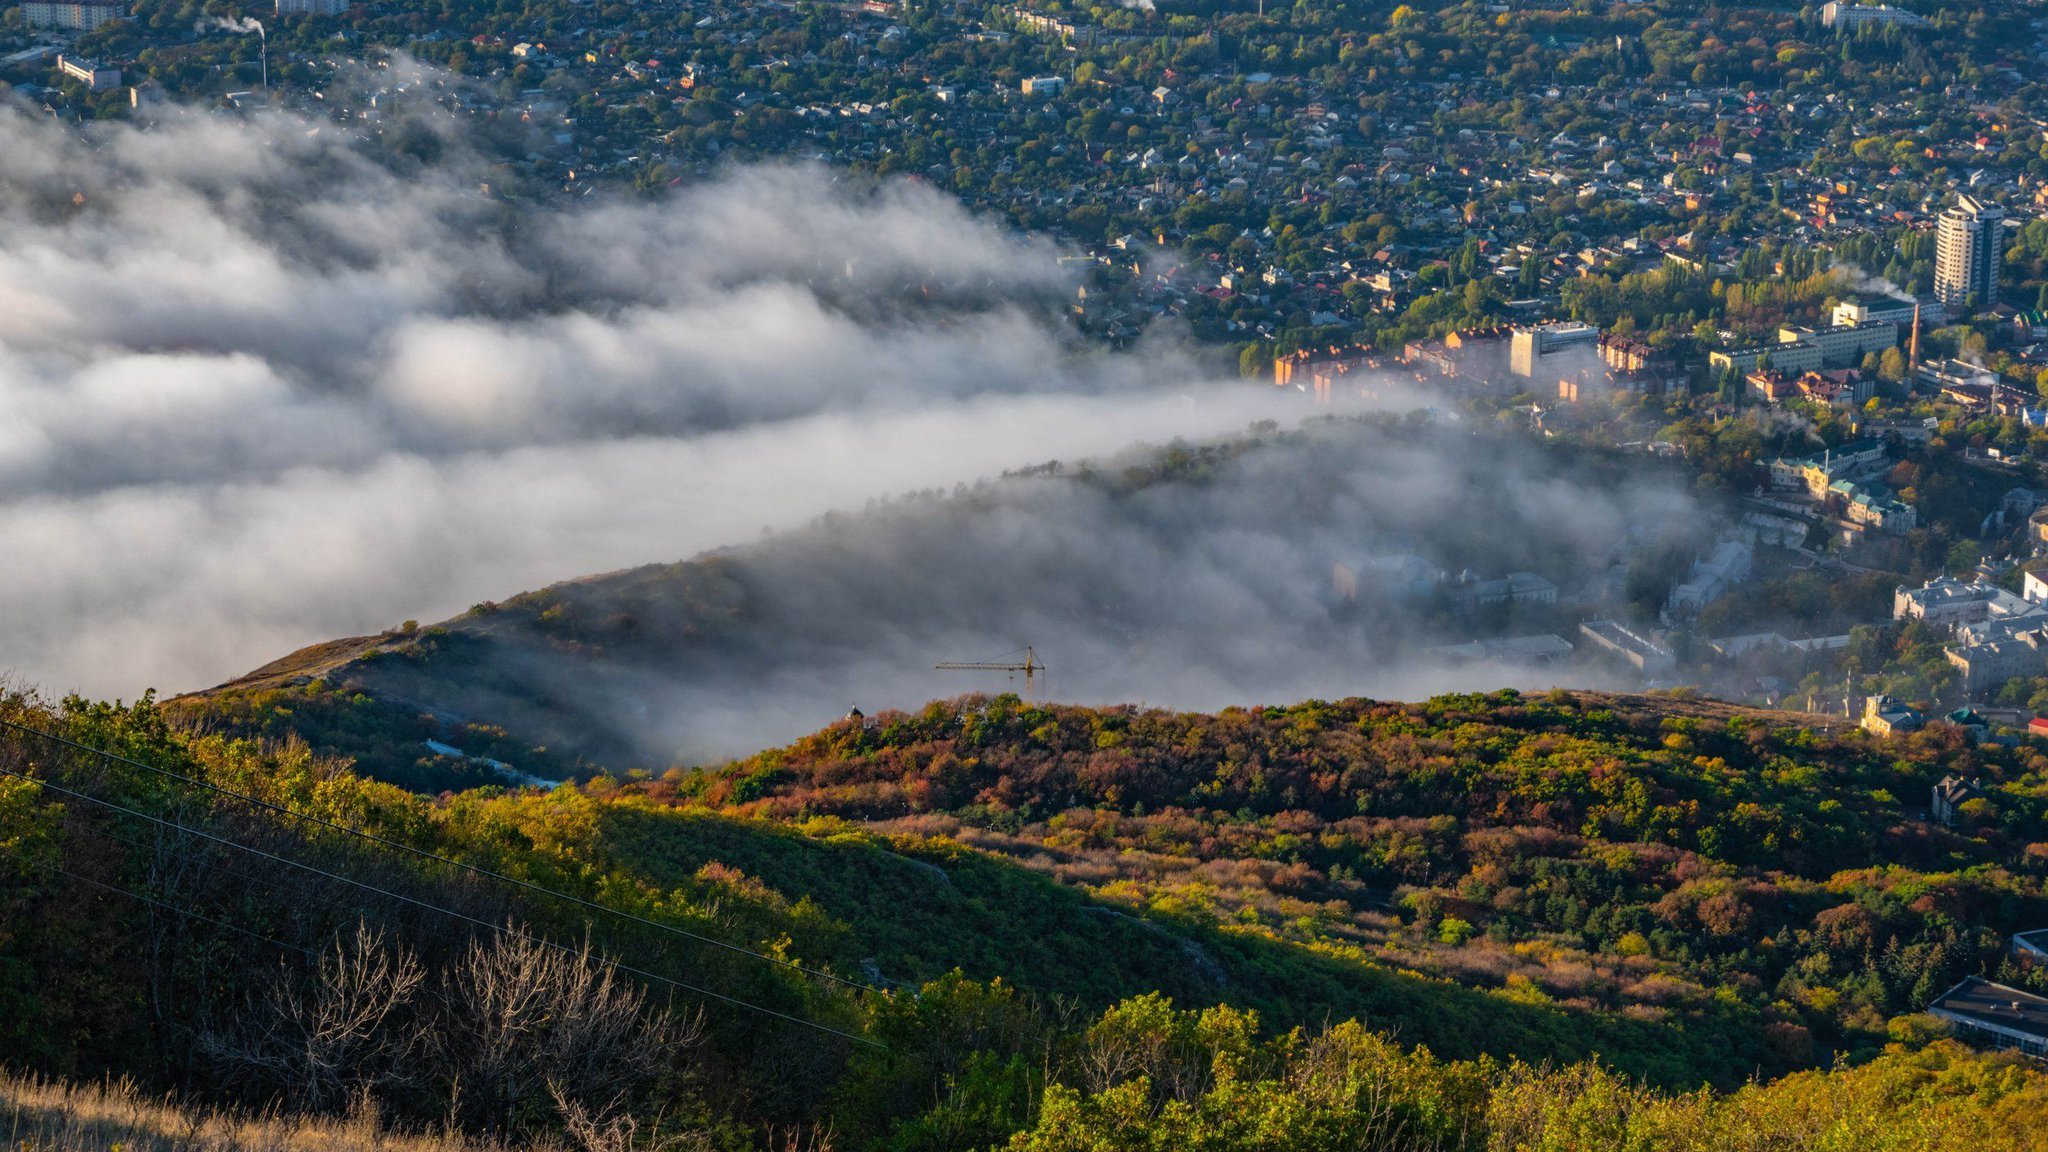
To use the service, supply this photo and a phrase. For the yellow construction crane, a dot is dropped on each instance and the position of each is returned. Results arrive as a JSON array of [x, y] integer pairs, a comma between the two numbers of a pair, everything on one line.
[[1030, 668]]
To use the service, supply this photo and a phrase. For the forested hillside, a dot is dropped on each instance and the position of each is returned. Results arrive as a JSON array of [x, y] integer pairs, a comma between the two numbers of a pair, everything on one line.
[[990, 924], [1636, 858]]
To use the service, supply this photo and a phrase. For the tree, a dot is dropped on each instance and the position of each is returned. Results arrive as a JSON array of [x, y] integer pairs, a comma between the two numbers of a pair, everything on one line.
[[1254, 359], [1891, 366], [323, 1041], [534, 1024]]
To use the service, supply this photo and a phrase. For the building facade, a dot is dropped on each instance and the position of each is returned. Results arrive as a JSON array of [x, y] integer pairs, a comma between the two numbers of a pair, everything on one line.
[[1644, 653], [71, 17], [1865, 309], [1848, 17], [1793, 357], [1531, 345], [1638, 367], [1969, 246], [1885, 716], [1845, 344], [1986, 667], [1322, 370], [1944, 602], [95, 77]]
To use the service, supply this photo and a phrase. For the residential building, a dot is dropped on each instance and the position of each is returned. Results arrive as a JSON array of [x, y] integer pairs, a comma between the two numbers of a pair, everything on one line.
[[1871, 508], [1712, 576], [1322, 370], [1042, 85], [1971, 721], [1532, 345], [1904, 429], [1546, 649], [1843, 388], [78, 16], [311, 7], [2030, 948], [1945, 602], [1473, 360], [2033, 588], [1820, 473], [1838, 387], [1885, 716], [1851, 16], [1969, 244], [1844, 344], [1643, 652], [1082, 35], [1988, 665], [1514, 588], [1811, 349], [95, 77], [1430, 355], [1780, 357], [1637, 366], [1771, 385], [1950, 795], [1888, 309], [1996, 1015]]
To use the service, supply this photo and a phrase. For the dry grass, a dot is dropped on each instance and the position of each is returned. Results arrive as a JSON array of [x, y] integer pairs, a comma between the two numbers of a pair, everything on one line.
[[309, 663], [38, 1115]]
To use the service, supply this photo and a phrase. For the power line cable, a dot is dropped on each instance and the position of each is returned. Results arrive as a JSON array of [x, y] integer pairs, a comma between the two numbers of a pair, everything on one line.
[[449, 912], [291, 892], [168, 907], [422, 853]]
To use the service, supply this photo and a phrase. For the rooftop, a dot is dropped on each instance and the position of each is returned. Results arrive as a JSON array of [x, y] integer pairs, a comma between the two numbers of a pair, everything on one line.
[[1987, 1005]]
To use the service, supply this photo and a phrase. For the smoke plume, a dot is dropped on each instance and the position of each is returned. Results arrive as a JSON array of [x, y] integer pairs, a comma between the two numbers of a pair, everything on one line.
[[243, 24]]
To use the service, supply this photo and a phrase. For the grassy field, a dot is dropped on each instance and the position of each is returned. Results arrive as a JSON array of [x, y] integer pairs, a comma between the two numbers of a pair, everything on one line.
[[40, 1115]]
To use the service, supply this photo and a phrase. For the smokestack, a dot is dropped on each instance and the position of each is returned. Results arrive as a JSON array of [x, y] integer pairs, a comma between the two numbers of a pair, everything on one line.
[[1913, 348]]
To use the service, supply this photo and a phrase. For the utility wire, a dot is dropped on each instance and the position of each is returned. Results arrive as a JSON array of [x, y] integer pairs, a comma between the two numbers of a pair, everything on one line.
[[422, 853], [183, 911], [291, 892], [449, 912]]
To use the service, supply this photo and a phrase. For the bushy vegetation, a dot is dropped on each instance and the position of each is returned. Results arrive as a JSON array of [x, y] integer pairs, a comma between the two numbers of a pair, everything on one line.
[[1477, 923], [1657, 859]]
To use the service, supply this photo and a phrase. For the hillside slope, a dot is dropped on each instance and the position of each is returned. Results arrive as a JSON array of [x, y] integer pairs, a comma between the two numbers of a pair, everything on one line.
[[1111, 919], [1651, 859], [1253, 568]]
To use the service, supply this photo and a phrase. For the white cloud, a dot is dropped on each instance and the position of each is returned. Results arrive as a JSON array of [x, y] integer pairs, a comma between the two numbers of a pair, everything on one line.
[[258, 388]]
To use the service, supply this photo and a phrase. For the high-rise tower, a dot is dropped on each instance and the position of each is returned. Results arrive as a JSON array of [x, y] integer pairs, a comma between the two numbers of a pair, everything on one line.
[[1968, 249]]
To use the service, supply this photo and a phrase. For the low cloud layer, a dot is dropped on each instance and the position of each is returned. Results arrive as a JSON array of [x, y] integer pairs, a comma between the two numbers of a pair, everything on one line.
[[264, 381], [1196, 577]]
